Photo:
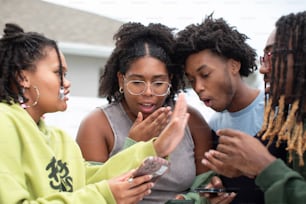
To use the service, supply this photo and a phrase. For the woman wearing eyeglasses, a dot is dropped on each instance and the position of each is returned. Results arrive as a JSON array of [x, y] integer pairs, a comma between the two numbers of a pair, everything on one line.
[[140, 83]]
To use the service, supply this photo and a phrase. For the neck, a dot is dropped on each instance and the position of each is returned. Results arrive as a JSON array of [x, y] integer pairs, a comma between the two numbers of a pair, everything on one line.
[[243, 97]]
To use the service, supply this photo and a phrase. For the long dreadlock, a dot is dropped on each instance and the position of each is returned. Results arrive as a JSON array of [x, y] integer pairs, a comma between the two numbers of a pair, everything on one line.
[[285, 116]]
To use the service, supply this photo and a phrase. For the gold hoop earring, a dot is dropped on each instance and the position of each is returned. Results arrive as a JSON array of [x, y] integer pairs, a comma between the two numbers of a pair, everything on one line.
[[121, 90], [25, 106]]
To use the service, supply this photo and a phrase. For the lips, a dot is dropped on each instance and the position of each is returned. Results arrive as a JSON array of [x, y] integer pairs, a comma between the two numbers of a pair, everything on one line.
[[147, 107], [206, 101]]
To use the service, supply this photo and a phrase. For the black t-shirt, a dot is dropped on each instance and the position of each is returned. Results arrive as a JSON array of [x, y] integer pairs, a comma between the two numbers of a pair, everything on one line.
[[247, 191]]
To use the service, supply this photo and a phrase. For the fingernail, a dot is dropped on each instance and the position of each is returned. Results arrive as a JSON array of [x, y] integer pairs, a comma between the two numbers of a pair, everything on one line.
[[226, 195]]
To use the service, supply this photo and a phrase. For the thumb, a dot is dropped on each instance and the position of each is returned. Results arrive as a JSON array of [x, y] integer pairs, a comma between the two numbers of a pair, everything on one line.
[[126, 175], [216, 182], [227, 132], [138, 119]]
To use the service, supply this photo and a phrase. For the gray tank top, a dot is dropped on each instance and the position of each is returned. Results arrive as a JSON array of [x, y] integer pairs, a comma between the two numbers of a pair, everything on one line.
[[182, 169]]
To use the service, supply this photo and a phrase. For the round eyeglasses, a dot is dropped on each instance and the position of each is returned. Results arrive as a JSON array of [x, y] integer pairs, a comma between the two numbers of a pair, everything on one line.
[[138, 87], [266, 59]]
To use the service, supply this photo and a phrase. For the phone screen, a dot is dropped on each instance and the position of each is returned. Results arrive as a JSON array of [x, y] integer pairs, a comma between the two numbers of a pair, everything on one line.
[[214, 190]]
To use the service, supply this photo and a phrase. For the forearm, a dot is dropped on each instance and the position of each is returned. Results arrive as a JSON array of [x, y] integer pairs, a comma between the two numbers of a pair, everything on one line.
[[281, 184]]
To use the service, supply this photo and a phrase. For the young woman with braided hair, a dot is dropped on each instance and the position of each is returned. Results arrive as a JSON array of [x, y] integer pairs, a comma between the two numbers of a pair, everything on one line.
[[284, 65], [140, 82], [41, 164]]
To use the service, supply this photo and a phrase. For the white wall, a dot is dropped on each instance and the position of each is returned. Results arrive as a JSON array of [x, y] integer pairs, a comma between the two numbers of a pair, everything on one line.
[[83, 73]]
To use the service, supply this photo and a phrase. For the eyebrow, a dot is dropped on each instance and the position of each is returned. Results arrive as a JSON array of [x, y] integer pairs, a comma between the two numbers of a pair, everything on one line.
[[200, 68], [154, 76], [268, 47]]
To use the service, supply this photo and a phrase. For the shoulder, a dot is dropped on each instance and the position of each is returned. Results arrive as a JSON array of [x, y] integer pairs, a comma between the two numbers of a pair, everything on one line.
[[95, 124], [196, 120], [97, 115], [194, 113]]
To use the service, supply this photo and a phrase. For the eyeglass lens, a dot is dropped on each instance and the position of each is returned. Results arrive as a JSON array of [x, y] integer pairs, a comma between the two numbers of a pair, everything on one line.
[[158, 88]]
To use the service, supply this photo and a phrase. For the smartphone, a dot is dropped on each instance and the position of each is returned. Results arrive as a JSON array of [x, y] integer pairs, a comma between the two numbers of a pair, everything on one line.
[[180, 202], [153, 165], [215, 190]]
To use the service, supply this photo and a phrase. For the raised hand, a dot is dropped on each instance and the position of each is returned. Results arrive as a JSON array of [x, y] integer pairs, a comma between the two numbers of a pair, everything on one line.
[[212, 162], [173, 133], [242, 152], [152, 126]]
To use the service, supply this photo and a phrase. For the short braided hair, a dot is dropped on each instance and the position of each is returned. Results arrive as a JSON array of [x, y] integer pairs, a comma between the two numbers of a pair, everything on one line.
[[19, 51]]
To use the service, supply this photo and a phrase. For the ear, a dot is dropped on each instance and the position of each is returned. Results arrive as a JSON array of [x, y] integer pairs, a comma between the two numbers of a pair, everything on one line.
[[23, 79], [120, 79], [235, 66]]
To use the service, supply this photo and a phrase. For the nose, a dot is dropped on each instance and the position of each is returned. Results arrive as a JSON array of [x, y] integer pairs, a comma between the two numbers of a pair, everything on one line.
[[197, 86], [67, 83], [264, 70], [148, 90]]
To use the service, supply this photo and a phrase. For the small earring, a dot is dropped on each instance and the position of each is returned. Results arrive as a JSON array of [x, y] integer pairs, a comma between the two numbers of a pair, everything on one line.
[[121, 90]]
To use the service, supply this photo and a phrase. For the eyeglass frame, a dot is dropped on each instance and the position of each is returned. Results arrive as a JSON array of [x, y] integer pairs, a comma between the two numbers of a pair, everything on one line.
[[262, 60], [146, 86]]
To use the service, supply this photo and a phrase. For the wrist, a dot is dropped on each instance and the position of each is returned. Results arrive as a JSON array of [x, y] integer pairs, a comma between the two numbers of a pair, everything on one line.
[[265, 162]]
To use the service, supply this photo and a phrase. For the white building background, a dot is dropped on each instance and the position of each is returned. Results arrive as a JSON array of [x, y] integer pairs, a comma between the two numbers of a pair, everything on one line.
[[86, 41]]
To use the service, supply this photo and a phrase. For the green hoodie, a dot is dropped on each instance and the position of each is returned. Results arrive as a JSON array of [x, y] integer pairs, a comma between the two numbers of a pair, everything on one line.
[[282, 184], [41, 164]]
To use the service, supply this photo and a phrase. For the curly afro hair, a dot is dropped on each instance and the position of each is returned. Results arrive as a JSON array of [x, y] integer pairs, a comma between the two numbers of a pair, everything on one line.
[[133, 41], [220, 38]]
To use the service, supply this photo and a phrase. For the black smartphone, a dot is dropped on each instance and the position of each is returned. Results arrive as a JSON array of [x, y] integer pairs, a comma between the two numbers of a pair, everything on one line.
[[155, 166], [180, 202], [215, 190]]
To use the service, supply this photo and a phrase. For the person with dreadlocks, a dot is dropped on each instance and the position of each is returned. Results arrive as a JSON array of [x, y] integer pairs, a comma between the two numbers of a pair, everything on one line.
[[42, 164], [216, 57], [140, 83], [285, 119]]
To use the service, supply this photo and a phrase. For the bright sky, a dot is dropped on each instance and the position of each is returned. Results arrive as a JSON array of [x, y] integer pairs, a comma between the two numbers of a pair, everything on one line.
[[255, 18]]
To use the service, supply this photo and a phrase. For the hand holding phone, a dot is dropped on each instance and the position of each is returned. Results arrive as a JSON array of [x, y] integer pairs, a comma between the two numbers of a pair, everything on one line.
[[155, 166]]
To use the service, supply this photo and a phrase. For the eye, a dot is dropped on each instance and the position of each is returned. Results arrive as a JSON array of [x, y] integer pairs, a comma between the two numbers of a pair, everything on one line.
[[159, 83], [137, 82], [204, 75], [190, 80], [64, 73]]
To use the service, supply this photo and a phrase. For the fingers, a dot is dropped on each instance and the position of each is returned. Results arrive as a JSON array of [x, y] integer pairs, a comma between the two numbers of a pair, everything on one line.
[[223, 198], [130, 190], [138, 119], [212, 162], [216, 182], [138, 180], [230, 133], [143, 130], [158, 120], [173, 133], [180, 108], [160, 116], [220, 163]]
